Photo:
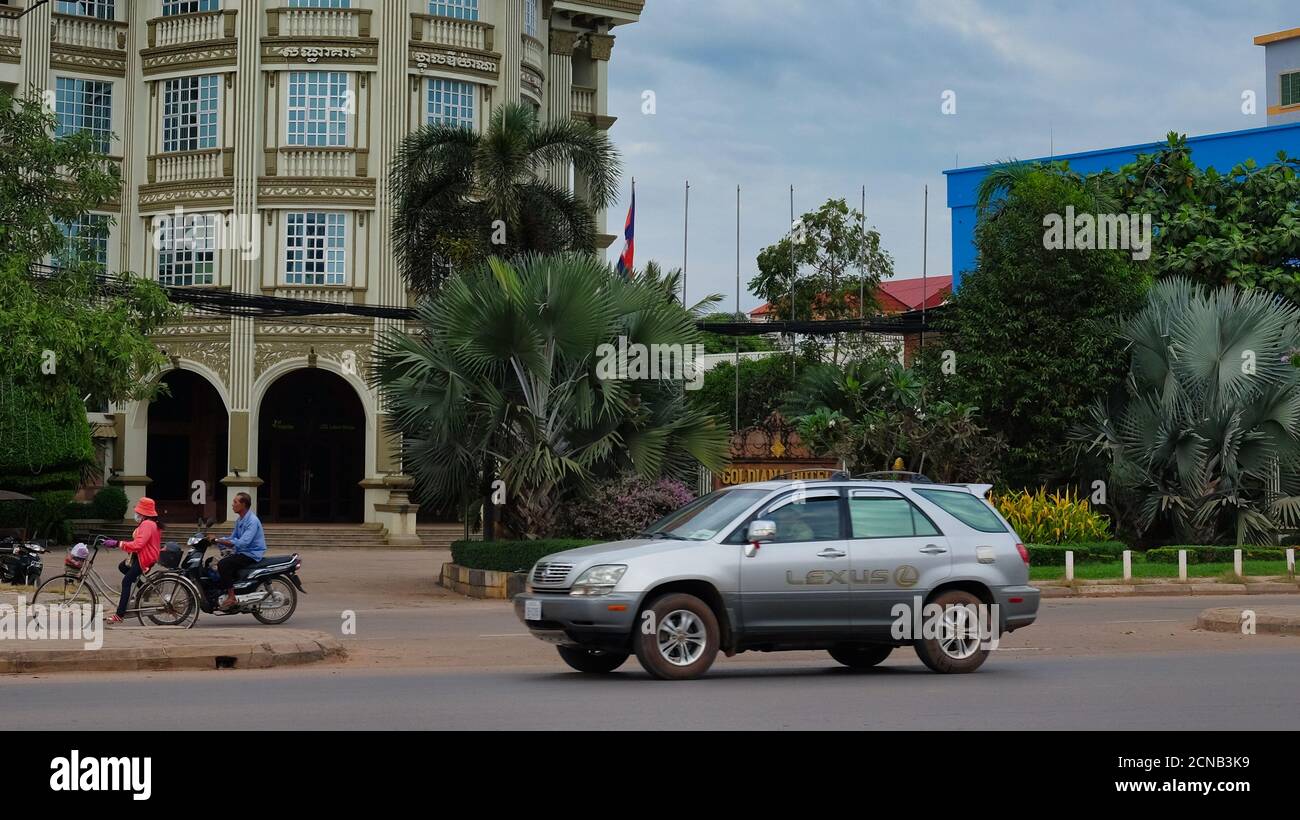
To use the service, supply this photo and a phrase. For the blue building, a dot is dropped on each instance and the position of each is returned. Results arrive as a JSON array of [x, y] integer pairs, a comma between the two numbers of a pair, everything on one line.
[[1221, 151]]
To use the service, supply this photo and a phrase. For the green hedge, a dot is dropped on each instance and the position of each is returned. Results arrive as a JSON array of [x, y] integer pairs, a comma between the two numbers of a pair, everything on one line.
[[1213, 555], [509, 556], [1087, 552], [109, 505]]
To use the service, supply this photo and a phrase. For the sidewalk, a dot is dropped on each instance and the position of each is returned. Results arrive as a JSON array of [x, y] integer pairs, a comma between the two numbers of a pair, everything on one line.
[[1118, 588], [133, 649]]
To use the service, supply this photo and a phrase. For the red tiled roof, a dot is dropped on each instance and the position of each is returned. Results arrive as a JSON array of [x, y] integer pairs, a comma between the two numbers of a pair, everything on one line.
[[898, 295]]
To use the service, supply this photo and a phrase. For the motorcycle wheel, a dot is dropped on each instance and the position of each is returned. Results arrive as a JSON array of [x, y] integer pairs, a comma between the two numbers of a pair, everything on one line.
[[282, 613]]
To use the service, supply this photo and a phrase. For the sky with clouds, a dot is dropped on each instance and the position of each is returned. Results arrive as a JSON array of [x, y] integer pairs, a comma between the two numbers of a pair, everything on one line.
[[831, 95]]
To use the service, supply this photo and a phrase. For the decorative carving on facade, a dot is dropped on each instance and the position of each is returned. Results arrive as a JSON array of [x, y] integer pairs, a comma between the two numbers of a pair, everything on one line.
[[601, 45], [214, 354], [272, 191], [167, 58], [562, 42], [350, 355], [452, 58], [89, 60]]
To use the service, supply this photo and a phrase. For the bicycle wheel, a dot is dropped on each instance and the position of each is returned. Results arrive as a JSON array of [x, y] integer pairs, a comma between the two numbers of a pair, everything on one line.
[[167, 600], [66, 590]]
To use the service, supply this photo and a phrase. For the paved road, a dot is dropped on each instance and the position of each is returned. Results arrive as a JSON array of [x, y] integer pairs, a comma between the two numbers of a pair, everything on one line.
[[1130, 693], [422, 659]]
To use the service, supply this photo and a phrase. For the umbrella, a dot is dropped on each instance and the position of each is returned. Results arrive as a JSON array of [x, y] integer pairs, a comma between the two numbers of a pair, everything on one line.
[[5, 495]]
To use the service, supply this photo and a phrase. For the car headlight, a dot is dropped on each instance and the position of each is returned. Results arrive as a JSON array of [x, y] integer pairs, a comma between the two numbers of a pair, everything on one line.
[[598, 580]]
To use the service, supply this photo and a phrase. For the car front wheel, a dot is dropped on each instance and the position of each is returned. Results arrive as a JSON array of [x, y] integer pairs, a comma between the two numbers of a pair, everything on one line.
[[677, 637], [592, 661]]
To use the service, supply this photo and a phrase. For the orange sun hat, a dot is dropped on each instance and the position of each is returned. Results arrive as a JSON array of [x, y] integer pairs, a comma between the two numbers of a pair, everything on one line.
[[146, 508]]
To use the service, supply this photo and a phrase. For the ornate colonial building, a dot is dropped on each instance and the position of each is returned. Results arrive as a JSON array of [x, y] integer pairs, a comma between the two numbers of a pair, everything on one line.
[[263, 132]]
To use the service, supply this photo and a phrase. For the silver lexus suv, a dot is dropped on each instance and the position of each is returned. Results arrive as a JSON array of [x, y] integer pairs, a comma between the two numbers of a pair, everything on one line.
[[855, 567]]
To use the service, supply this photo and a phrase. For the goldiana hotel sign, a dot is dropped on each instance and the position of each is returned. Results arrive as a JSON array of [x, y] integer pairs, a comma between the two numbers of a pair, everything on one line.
[[769, 450]]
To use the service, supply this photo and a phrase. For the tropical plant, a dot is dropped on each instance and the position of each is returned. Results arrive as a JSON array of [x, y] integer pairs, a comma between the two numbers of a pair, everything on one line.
[[462, 197], [501, 378], [1033, 332], [1061, 517], [872, 415], [1206, 439]]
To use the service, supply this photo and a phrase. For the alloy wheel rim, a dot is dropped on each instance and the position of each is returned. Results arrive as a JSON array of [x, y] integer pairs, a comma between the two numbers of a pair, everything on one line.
[[958, 635], [681, 637]]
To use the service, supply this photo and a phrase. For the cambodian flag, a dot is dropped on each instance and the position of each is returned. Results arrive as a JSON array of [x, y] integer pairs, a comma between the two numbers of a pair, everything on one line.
[[628, 257]]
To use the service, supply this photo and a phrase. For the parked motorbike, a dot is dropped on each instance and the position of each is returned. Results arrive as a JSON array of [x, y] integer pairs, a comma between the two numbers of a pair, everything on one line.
[[20, 562], [267, 590]]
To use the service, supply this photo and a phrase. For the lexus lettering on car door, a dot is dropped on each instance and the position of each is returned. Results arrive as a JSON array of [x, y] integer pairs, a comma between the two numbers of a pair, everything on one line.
[[896, 553]]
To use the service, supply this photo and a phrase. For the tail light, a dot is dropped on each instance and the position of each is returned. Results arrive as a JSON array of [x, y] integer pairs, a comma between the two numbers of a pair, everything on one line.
[[1024, 553]]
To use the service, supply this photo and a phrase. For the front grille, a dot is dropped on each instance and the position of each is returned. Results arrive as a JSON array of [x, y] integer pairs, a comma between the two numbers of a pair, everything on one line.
[[551, 574]]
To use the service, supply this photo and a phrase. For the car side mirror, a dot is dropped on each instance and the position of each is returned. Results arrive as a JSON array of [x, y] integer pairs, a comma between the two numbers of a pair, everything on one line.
[[760, 531]]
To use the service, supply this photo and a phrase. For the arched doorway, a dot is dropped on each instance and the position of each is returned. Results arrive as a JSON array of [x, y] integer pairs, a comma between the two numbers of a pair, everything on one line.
[[188, 431], [311, 450]]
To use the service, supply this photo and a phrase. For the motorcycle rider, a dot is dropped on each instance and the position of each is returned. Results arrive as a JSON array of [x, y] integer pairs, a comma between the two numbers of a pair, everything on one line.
[[249, 544]]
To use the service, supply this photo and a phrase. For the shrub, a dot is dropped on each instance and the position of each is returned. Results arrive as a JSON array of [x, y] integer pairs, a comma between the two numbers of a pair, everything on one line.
[[619, 508], [1213, 555], [1059, 518], [509, 556], [110, 504], [1053, 555]]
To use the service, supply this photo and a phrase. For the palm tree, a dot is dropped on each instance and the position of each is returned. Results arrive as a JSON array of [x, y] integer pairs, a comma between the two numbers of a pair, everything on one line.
[[1208, 438], [462, 197], [501, 380]]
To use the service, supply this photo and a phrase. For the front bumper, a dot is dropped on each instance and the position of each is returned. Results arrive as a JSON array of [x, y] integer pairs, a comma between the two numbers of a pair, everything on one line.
[[601, 622], [1019, 606]]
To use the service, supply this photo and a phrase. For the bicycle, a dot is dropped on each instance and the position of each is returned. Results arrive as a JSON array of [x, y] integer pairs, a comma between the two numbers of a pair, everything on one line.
[[166, 600]]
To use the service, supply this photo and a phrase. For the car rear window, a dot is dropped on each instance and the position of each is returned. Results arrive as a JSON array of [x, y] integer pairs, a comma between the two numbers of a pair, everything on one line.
[[966, 508]]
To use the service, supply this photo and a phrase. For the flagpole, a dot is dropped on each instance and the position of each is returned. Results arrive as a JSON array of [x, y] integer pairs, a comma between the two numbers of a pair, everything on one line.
[[686, 240], [794, 341], [862, 273], [737, 427]]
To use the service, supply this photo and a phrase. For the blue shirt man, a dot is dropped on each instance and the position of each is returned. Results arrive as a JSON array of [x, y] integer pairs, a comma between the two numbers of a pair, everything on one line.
[[248, 538]]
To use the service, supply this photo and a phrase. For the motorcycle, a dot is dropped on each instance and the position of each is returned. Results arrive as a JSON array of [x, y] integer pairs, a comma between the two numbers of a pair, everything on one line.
[[20, 562], [267, 590]]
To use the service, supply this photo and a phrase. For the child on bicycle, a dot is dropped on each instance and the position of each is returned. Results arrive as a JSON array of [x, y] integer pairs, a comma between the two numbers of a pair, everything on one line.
[[144, 548]]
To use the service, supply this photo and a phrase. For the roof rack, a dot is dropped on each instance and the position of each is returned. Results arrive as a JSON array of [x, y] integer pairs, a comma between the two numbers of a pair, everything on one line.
[[896, 475]]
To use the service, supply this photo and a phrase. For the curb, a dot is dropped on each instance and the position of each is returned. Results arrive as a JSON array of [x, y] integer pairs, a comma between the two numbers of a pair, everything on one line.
[[217, 653], [1276, 621], [482, 583], [1167, 590]]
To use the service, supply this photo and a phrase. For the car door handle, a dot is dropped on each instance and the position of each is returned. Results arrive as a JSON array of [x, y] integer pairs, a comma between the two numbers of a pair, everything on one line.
[[933, 549], [831, 553]]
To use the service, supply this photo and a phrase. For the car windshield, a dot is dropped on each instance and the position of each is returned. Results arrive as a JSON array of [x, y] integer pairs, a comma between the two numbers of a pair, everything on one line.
[[701, 519]]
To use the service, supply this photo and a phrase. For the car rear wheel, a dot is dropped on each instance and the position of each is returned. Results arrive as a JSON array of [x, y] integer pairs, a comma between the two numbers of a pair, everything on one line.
[[592, 661], [958, 648], [862, 656], [677, 637]]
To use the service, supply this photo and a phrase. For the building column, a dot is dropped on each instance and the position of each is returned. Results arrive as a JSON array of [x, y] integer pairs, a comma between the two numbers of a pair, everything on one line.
[[37, 34], [248, 90], [601, 48], [559, 92], [510, 40]]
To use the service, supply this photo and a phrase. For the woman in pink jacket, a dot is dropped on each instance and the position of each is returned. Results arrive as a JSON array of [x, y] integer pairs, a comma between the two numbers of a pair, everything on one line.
[[144, 547]]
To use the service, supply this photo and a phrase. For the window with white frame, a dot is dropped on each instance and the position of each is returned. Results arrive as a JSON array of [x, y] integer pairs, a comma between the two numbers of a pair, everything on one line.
[[87, 238], [319, 4], [85, 105], [315, 249], [318, 108], [451, 102], [190, 113], [459, 9], [187, 250], [173, 7], [101, 9], [530, 17]]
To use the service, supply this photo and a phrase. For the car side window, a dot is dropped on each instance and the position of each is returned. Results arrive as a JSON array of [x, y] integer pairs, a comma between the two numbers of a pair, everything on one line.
[[811, 519], [886, 517]]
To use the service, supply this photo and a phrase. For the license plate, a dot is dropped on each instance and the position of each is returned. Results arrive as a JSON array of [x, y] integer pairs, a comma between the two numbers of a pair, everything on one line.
[[532, 610]]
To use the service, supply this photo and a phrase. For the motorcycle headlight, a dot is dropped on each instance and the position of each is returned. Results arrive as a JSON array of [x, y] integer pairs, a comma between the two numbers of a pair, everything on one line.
[[599, 580]]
